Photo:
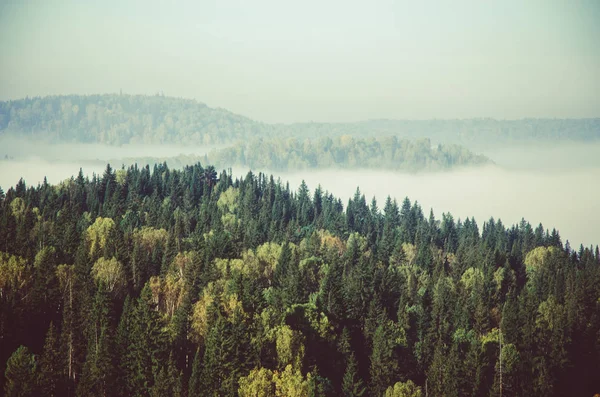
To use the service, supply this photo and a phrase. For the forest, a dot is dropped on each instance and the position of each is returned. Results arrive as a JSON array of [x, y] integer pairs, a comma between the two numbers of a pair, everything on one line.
[[345, 152], [388, 153], [151, 281], [116, 119]]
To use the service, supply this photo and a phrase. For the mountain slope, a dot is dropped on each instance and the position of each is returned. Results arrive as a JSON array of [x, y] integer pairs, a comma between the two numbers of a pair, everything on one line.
[[118, 119]]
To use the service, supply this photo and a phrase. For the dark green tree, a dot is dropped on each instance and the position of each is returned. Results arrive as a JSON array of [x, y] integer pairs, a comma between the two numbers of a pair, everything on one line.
[[20, 374]]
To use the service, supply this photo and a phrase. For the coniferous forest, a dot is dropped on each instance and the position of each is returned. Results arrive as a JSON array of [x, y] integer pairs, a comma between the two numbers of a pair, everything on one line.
[[160, 282]]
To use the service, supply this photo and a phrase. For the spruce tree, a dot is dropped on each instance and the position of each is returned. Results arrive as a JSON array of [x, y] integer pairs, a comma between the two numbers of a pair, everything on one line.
[[51, 371], [352, 384], [20, 374]]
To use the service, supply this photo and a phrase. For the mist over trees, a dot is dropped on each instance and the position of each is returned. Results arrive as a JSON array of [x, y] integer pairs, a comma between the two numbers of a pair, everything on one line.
[[388, 153], [158, 282], [119, 119]]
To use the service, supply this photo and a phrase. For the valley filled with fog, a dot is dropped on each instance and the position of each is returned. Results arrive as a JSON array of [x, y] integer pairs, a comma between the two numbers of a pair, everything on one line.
[[33, 161], [567, 201], [556, 185]]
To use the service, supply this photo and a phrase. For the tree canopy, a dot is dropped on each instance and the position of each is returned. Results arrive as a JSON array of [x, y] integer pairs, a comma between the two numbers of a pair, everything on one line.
[[164, 282]]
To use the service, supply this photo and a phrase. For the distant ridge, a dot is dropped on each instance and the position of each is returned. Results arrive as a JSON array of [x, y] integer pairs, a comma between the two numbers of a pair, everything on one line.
[[115, 119]]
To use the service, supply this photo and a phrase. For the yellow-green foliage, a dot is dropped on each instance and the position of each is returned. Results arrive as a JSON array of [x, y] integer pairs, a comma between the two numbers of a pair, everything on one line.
[[259, 264], [258, 383], [226, 267], [360, 241], [291, 383], [229, 221], [499, 276], [17, 207], [228, 200], [331, 242], [550, 314], [98, 233], [491, 337], [43, 256], [213, 294], [268, 256], [110, 273], [148, 237], [168, 293], [462, 336], [227, 203], [200, 319], [266, 383], [410, 251], [471, 277], [536, 258], [182, 261], [233, 308], [15, 275], [443, 283], [404, 389], [66, 276], [290, 347]]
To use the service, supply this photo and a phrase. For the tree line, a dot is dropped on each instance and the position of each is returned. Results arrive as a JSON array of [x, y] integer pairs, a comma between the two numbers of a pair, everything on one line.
[[160, 282], [120, 119], [387, 153], [346, 152]]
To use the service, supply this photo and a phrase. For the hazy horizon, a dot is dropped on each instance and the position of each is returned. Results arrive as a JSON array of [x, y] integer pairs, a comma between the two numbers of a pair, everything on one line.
[[337, 61], [308, 121]]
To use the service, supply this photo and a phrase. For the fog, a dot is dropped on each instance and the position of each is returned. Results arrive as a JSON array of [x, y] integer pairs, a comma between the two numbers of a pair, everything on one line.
[[567, 201], [558, 186], [312, 60], [18, 149], [32, 161], [555, 185]]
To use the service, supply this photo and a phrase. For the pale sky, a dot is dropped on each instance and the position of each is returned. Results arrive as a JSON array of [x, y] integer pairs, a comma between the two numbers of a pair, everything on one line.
[[287, 61]]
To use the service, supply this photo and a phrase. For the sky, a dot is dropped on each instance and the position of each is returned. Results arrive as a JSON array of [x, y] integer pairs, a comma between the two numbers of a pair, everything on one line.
[[313, 60]]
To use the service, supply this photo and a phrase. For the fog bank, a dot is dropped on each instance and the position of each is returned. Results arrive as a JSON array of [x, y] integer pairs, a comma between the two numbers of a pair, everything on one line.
[[555, 185]]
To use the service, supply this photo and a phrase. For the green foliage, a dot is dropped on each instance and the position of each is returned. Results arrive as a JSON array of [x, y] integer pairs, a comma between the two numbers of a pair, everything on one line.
[[290, 347], [352, 384], [346, 152], [110, 273], [384, 358], [184, 282], [51, 376], [117, 119], [98, 234], [15, 276], [258, 383], [20, 374], [404, 389]]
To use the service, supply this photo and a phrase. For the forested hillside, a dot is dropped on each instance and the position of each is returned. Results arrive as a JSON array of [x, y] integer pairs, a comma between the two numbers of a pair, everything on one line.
[[472, 133], [346, 152], [159, 282], [119, 119]]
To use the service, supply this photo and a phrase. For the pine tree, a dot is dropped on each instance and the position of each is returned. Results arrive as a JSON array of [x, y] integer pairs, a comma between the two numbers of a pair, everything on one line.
[[122, 346], [194, 387], [20, 374], [98, 371], [51, 372], [352, 384], [167, 382], [147, 344]]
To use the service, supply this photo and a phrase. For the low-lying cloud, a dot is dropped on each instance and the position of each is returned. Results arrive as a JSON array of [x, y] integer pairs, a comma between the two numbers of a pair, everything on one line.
[[555, 185]]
